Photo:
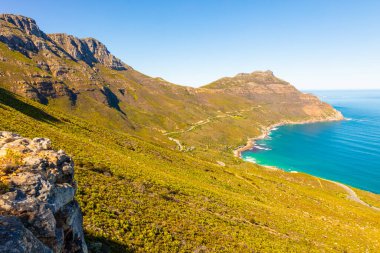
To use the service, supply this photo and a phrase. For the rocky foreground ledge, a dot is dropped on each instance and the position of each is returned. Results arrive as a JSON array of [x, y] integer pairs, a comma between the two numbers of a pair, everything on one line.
[[38, 212]]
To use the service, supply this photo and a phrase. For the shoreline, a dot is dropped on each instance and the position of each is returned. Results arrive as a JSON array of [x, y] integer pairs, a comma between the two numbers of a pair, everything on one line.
[[351, 194], [266, 131]]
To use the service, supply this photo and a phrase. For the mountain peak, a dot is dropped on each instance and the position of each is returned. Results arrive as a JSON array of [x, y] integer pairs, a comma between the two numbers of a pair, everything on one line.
[[88, 50], [23, 34], [101, 53], [255, 78], [263, 73], [25, 24]]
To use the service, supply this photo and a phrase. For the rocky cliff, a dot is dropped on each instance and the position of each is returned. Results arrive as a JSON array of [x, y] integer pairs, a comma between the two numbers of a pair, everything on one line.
[[22, 34], [88, 50], [56, 65], [38, 211]]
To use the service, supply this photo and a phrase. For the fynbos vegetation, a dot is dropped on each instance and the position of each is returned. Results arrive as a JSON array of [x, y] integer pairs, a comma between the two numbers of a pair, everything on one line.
[[137, 190]]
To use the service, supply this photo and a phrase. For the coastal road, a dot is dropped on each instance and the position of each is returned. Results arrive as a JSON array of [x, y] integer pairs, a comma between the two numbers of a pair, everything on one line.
[[230, 114], [207, 121], [353, 196]]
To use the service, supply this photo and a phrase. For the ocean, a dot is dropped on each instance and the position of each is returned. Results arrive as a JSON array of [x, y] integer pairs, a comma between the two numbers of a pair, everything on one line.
[[346, 151]]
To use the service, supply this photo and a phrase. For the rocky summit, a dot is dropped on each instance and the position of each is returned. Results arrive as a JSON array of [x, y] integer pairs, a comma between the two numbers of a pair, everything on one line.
[[38, 211]]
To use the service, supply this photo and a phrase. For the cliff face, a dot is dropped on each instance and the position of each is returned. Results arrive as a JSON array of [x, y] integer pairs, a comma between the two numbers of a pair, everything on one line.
[[38, 211], [88, 50], [57, 65], [22, 34]]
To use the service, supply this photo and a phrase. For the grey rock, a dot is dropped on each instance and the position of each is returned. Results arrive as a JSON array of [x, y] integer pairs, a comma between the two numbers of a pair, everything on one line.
[[42, 143], [15, 238], [89, 50], [71, 218], [61, 195], [25, 24], [44, 215]]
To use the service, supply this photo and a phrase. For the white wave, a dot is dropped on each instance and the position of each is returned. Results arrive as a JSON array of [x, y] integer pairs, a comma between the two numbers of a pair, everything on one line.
[[250, 159], [261, 147], [361, 120]]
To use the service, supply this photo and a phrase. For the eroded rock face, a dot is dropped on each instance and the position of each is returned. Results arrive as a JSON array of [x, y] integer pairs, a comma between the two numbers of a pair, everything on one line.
[[22, 34], [37, 205], [56, 65], [14, 237], [88, 50], [25, 24]]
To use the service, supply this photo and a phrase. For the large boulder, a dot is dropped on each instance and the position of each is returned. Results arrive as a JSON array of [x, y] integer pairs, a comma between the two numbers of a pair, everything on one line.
[[37, 204], [15, 238]]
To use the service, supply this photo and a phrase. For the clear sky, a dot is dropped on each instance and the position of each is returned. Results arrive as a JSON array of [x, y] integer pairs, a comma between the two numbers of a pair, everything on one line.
[[314, 44]]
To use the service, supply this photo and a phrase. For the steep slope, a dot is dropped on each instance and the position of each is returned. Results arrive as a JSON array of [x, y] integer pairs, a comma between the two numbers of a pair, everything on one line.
[[139, 196], [88, 50]]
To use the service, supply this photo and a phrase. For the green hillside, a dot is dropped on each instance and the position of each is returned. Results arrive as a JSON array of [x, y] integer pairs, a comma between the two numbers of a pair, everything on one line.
[[139, 190], [138, 196]]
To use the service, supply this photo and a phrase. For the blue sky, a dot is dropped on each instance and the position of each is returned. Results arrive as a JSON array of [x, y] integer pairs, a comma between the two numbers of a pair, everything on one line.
[[314, 44]]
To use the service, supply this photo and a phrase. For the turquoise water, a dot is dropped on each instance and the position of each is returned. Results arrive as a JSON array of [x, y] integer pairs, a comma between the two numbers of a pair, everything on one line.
[[346, 151]]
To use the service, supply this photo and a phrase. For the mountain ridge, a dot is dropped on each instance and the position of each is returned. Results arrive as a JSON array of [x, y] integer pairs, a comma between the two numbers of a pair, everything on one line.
[[81, 76]]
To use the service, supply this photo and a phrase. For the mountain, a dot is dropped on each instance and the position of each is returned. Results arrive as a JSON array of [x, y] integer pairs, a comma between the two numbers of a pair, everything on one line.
[[81, 75], [154, 163]]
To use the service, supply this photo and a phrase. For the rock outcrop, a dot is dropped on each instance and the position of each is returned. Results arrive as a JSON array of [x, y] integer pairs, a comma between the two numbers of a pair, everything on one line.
[[22, 34], [57, 65], [25, 24], [88, 50], [38, 211]]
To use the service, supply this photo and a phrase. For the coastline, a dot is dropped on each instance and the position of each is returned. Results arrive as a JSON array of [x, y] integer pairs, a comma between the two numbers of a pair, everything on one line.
[[351, 194], [266, 131]]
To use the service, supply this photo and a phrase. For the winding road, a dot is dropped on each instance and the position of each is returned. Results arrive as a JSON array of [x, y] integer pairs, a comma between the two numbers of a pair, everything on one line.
[[206, 121], [353, 196], [210, 119]]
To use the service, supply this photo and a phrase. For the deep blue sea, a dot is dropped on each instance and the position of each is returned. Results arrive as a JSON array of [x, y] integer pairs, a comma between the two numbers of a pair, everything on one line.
[[346, 151]]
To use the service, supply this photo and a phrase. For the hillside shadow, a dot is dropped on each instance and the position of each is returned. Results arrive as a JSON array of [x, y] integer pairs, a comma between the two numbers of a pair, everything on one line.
[[112, 100], [97, 244], [10, 99]]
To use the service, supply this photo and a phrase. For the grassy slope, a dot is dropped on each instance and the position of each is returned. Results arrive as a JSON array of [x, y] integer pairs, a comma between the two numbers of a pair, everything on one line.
[[137, 195]]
